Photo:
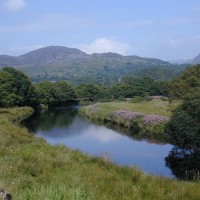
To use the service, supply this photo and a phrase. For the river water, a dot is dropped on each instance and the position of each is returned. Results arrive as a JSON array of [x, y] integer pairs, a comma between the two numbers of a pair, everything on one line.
[[65, 126]]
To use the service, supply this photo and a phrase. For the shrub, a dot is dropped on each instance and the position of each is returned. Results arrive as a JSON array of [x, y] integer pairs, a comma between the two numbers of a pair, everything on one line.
[[184, 126]]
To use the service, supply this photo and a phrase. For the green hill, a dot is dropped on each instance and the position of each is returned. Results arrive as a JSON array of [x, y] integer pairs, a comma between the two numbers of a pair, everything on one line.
[[63, 63]]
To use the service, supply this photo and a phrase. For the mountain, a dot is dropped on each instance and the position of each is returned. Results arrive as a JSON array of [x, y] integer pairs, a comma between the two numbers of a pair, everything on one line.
[[181, 61], [196, 60], [46, 55], [63, 63], [8, 60]]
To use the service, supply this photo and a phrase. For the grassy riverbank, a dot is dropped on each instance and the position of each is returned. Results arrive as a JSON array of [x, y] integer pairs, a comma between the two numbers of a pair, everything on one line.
[[144, 119], [32, 169]]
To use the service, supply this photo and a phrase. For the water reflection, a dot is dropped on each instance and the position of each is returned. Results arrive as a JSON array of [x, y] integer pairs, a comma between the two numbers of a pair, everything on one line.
[[184, 164], [64, 126], [134, 133], [59, 117]]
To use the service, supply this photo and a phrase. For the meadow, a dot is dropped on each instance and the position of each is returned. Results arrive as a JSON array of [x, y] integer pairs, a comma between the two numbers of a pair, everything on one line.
[[32, 169]]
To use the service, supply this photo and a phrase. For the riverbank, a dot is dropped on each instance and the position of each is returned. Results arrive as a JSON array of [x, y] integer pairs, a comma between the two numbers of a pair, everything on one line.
[[32, 169], [143, 120]]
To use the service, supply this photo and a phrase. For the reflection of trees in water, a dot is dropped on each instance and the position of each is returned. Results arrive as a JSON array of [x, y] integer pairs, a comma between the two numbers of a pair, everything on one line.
[[133, 133], [184, 164], [56, 118]]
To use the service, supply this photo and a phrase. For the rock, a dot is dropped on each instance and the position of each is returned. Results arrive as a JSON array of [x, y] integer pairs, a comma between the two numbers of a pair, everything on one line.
[[5, 195]]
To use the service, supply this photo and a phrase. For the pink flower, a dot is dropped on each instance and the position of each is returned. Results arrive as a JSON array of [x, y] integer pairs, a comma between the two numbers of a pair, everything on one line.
[[155, 119]]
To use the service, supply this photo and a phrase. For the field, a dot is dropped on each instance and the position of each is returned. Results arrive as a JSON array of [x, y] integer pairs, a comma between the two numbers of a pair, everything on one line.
[[32, 169]]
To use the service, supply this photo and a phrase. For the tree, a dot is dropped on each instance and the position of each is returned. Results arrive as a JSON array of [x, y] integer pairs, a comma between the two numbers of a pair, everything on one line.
[[124, 90], [46, 92], [146, 85], [64, 92], [16, 89], [57, 93], [88, 91], [187, 85], [184, 126]]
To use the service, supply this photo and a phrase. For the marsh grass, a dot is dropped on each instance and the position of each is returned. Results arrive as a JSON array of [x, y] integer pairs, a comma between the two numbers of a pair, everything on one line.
[[156, 106], [32, 169], [144, 119]]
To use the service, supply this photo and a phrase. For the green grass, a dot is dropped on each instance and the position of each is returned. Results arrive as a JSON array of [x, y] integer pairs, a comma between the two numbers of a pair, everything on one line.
[[157, 107], [32, 169], [136, 127]]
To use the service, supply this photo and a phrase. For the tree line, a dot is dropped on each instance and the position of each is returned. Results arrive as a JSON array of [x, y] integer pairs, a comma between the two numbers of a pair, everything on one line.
[[16, 89]]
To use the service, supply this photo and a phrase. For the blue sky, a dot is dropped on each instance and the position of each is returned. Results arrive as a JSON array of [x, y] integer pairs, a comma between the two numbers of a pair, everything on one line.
[[168, 30]]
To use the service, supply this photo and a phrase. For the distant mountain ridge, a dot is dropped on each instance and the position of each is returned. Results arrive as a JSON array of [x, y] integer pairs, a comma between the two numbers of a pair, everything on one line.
[[43, 55], [53, 54], [196, 60], [59, 62]]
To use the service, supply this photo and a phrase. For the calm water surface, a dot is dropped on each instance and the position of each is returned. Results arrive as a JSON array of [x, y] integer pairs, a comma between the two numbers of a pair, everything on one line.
[[64, 126]]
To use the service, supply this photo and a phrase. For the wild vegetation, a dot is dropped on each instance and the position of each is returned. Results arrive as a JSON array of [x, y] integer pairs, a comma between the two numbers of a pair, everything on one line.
[[32, 169], [145, 118], [58, 93], [129, 87], [184, 126], [16, 89]]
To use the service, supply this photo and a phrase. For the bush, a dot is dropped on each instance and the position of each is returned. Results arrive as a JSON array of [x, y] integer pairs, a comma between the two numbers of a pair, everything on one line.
[[184, 126], [16, 89]]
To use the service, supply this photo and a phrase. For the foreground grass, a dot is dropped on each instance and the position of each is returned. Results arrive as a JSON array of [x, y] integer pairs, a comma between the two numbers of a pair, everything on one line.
[[32, 169]]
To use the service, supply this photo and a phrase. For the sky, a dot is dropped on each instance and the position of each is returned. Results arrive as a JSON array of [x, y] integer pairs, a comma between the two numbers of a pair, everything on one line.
[[168, 30]]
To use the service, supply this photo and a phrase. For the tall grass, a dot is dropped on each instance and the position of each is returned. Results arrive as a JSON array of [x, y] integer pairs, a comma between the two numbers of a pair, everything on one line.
[[32, 169], [157, 106], [144, 119]]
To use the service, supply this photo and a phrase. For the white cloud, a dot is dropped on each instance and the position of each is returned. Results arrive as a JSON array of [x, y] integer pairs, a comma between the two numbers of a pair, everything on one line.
[[104, 45], [102, 136], [14, 5]]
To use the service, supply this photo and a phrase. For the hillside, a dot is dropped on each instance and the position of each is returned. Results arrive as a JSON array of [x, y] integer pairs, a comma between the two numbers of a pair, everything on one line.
[[196, 59], [58, 62]]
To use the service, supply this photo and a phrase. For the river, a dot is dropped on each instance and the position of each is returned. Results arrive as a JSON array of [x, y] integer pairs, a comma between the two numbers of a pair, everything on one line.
[[65, 126]]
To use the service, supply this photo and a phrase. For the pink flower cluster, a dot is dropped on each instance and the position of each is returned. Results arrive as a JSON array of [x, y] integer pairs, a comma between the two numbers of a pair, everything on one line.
[[155, 119], [147, 119], [127, 114]]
